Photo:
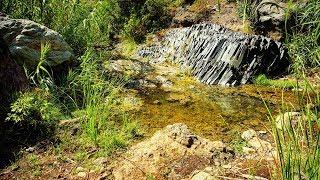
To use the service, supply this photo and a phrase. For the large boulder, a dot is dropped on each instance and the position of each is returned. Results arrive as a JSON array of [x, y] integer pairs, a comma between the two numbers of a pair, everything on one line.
[[24, 38], [12, 78], [269, 16], [172, 153], [217, 55]]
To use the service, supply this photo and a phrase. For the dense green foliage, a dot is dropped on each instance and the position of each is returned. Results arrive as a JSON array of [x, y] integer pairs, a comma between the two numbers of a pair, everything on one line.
[[87, 93], [94, 23], [32, 106], [303, 39]]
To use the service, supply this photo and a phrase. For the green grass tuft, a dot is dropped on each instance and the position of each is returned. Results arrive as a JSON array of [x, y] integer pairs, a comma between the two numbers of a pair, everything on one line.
[[279, 83]]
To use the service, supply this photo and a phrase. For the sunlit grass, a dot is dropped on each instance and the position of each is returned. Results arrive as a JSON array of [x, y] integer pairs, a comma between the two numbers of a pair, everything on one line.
[[298, 143]]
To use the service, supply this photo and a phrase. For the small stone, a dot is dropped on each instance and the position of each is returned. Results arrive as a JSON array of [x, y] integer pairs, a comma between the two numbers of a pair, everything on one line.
[[228, 166], [55, 163], [192, 87], [82, 174], [249, 134], [202, 176], [260, 144], [262, 132], [247, 150], [100, 161], [156, 102], [208, 169], [80, 169], [30, 149]]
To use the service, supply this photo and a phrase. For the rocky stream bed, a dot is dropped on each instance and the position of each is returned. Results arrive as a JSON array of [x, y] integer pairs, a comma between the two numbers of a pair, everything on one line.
[[193, 127]]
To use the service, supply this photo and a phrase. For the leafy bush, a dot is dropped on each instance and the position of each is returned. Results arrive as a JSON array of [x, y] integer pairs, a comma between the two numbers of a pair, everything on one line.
[[81, 23], [35, 107], [134, 29], [36, 10]]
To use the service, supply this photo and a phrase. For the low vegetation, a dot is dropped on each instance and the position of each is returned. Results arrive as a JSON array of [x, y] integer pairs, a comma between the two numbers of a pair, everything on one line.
[[298, 142], [303, 39], [278, 83]]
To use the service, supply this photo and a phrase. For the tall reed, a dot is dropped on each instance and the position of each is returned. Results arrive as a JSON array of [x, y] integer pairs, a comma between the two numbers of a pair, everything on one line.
[[298, 140]]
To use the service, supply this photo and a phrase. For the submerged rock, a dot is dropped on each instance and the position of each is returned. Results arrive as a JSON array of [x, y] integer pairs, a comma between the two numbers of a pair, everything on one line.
[[172, 153], [217, 55], [24, 38]]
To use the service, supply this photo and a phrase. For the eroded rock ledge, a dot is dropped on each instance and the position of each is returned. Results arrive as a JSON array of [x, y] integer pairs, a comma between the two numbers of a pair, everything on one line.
[[172, 153], [217, 55]]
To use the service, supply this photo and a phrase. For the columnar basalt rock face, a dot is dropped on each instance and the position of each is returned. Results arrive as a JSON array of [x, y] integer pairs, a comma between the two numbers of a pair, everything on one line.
[[24, 38], [217, 55]]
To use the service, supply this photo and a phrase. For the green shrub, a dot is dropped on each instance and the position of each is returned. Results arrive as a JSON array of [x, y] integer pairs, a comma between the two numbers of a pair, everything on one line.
[[35, 107], [88, 24], [134, 30], [80, 22], [36, 10]]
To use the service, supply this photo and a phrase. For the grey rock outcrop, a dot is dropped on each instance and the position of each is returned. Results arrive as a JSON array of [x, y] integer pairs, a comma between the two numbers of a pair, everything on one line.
[[269, 15], [24, 38], [217, 55]]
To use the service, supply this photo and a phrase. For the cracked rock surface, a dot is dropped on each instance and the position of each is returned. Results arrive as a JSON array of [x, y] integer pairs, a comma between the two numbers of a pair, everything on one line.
[[217, 55], [172, 153]]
